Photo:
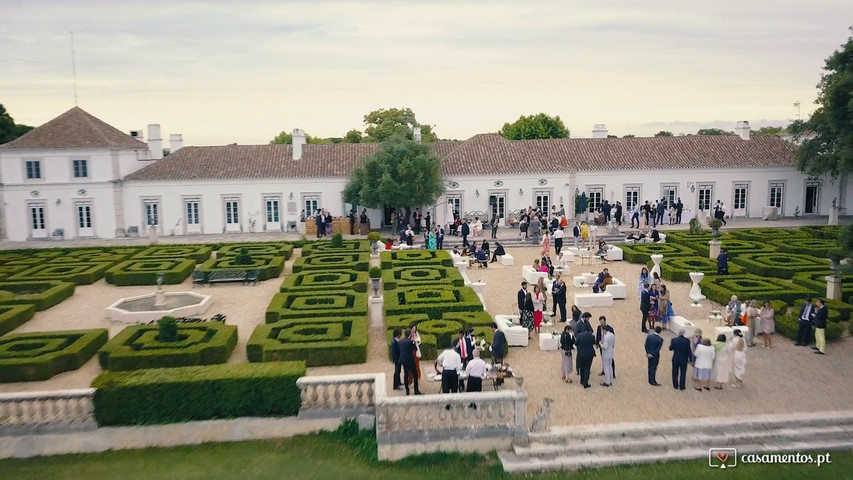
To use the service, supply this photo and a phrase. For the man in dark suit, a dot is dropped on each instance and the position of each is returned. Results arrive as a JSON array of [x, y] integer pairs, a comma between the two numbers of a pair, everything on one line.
[[602, 327], [407, 358], [645, 306], [395, 356], [819, 319], [805, 326], [680, 347], [558, 291], [585, 344], [654, 342], [498, 344], [466, 230], [522, 294], [679, 207]]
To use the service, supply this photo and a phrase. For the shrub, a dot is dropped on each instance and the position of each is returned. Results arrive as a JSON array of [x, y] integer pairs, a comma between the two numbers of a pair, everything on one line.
[[264, 249], [816, 281], [77, 273], [138, 347], [431, 300], [199, 253], [310, 306], [807, 246], [405, 258], [733, 246], [167, 328], [7, 271], [444, 331], [837, 310], [678, 268], [313, 281], [168, 395], [780, 265], [829, 232], [243, 258], [13, 316], [373, 237], [30, 357], [337, 240], [332, 261], [767, 234], [42, 295], [267, 266], [641, 252], [695, 226], [418, 275], [145, 272], [748, 286], [80, 255], [317, 342], [715, 223], [347, 246], [788, 326], [375, 272]]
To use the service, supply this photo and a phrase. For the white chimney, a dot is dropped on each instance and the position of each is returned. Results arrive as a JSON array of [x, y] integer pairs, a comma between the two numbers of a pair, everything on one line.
[[743, 129], [299, 139], [416, 134], [137, 134], [599, 130], [155, 143], [176, 141]]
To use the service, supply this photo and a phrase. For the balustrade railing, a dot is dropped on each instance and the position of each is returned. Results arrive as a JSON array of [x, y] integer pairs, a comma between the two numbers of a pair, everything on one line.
[[25, 412], [339, 395]]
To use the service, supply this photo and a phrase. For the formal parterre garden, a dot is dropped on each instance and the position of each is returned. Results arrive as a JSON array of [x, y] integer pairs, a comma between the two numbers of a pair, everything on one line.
[[784, 266]]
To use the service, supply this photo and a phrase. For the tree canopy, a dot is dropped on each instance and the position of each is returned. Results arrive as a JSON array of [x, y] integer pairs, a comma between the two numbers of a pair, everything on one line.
[[287, 139], [663, 133], [535, 126], [827, 136], [402, 172], [9, 130], [382, 124], [713, 131], [770, 130]]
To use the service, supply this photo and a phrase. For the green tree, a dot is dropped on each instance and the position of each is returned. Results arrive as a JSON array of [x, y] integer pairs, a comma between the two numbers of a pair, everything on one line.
[[630, 135], [353, 136], [770, 130], [382, 124], [285, 138], [713, 131], [535, 126], [402, 173], [663, 133], [9, 130]]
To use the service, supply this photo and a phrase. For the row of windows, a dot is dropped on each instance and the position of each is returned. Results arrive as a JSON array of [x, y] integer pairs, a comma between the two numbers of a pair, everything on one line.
[[231, 209], [79, 169]]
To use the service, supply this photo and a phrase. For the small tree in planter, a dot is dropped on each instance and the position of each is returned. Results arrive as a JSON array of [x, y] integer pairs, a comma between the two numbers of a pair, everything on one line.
[[375, 273], [337, 240], [715, 224], [243, 258], [168, 329]]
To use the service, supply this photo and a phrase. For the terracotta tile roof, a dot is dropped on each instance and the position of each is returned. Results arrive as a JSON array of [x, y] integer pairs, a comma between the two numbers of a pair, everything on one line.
[[75, 129]]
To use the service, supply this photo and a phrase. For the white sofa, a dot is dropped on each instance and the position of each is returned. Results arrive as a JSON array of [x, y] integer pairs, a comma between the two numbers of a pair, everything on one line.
[[532, 276], [678, 322], [507, 260], [516, 335], [603, 299], [618, 289], [614, 253]]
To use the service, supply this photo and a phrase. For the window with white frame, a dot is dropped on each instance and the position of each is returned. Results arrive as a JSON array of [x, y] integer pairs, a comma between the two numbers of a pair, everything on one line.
[[151, 211], [272, 206], [232, 211], [595, 196], [80, 168], [543, 200], [33, 169], [706, 195], [192, 211], [632, 196], [311, 203], [670, 194], [777, 194], [456, 200], [741, 194]]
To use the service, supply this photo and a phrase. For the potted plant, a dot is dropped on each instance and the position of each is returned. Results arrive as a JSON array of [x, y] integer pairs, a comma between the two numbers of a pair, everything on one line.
[[715, 224], [375, 274]]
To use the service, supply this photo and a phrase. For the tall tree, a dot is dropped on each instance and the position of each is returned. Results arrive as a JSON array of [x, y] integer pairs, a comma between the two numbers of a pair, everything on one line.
[[402, 173], [713, 131], [535, 126], [9, 130], [663, 133], [382, 124], [770, 130], [285, 138], [353, 136]]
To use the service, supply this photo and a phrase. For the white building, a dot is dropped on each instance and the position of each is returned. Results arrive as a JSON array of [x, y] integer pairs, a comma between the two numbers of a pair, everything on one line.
[[242, 188]]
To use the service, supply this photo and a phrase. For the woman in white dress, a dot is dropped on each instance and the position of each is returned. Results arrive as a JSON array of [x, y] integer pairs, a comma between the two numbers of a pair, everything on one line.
[[767, 323], [703, 362], [538, 307], [722, 361], [739, 358]]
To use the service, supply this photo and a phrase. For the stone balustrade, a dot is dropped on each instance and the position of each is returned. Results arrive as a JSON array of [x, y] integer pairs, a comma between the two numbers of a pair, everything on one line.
[[29, 412], [339, 395], [465, 422]]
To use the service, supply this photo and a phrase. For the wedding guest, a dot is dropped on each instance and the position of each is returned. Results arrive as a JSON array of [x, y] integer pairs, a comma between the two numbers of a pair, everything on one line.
[[703, 362], [538, 298], [767, 323], [475, 370], [739, 361], [567, 344], [722, 362], [752, 318]]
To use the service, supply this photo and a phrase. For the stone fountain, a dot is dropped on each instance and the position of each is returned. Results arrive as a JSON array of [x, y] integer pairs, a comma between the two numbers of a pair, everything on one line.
[[153, 306]]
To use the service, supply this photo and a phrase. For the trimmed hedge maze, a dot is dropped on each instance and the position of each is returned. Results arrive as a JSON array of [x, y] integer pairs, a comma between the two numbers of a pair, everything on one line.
[[170, 395], [734, 247], [721, 288], [137, 347], [333, 262], [678, 268], [267, 266], [780, 265], [432, 300], [199, 253], [41, 295], [272, 249], [767, 234], [301, 305], [348, 246], [640, 252], [29, 357], [406, 258], [807, 246], [13, 316], [314, 281], [145, 271], [83, 273], [419, 275], [816, 281], [318, 341]]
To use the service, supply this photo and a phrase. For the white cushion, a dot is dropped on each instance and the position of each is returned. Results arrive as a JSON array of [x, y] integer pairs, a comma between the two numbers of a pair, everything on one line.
[[618, 289], [614, 253], [532, 276], [603, 299], [516, 335], [507, 260], [677, 322]]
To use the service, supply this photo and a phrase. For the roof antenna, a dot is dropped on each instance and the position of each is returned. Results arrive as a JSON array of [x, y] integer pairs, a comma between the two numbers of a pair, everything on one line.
[[73, 68]]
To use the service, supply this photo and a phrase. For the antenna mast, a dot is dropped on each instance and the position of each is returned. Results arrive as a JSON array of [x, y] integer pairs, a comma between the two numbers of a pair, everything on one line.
[[73, 68]]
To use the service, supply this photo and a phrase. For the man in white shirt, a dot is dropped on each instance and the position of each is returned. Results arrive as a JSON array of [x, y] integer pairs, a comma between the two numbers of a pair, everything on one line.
[[608, 344], [475, 370], [558, 239], [451, 365]]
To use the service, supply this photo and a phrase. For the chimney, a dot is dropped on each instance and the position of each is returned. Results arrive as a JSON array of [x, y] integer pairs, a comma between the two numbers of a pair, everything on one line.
[[743, 129], [137, 134], [416, 134], [599, 130], [155, 143], [176, 141], [299, 139]]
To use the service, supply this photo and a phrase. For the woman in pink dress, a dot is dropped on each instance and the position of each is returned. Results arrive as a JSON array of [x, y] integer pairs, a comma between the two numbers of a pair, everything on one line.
[[538, 306], [546, 243]]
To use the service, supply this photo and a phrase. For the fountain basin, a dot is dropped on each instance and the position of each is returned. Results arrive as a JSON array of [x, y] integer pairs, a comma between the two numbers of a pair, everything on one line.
[[144, 308]]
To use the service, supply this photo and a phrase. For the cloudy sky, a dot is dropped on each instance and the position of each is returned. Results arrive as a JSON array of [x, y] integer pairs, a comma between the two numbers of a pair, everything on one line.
[[222, 72]]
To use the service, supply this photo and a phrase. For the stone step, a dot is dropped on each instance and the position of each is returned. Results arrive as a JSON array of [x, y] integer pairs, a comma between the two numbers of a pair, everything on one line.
[[516, 464], [688, 438], [562, 435]]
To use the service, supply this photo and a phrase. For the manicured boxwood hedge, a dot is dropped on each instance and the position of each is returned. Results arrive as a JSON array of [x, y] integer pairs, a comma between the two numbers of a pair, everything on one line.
[[7, 271], [84, 273], [763, 235], [780, 265], [734, 247], [405, 258], [417, 275], [641, 252], [42, 294], [13, 316], [720, 288], [30, 357], [324, 247], [136, 347], [837, 310], [265, 249], [199, 253], [684, 236], [432, 300], [145, 271], [788, 325], [268, 267], [78, 255], [332, 262], [832, 232], [678, 268], [816, 247], [816, 281], [316, 281], [430, 343], [28, 256], [317, 342], [169, 395], [309, 306]]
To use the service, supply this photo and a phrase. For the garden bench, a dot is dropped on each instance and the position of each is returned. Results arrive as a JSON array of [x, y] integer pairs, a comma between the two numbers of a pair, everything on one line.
[[227, 275], [199, 278], [252, 277]]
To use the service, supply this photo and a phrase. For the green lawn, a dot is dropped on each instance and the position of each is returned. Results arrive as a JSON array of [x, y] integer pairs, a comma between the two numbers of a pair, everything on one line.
[[331, 456]]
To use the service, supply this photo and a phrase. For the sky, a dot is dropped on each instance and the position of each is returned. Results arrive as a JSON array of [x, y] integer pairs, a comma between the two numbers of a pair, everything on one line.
[[223, 72]]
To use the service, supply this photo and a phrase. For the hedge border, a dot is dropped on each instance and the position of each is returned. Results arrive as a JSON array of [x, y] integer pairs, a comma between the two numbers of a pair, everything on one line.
[[197, 252], [391, 277], [466, 301], [180, 270], [58, 292], [45, 366], [258, 248], [295, 282], [91, 273], [268, 266], [756, 264], [355, 261], [264, 346], [675, 269], [13, 316], [407, 258], [279, 309], [787, 291]]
